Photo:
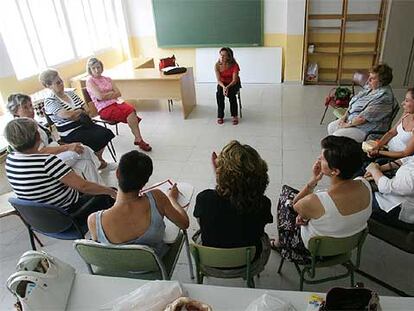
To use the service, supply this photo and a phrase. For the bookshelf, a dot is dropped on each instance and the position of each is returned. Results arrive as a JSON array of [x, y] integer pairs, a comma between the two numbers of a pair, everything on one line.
[[340, 39]]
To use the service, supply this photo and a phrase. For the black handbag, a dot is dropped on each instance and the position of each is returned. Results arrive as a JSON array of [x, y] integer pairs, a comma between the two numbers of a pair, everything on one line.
[[354, 298]]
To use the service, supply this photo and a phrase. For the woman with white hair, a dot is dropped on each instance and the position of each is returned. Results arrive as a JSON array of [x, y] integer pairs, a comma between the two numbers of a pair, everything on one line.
[[44, 178], [79, 157], [66, 111], [107, 99]]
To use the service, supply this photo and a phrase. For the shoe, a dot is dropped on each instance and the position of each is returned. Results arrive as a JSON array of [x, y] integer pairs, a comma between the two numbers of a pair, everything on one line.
[[108, 167], [220, 121], [143, 145], [235, 120], [274, 245]]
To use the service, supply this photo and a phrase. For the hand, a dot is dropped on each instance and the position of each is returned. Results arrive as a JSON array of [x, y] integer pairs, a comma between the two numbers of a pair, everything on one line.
[[373, 167], [317, 171], [112, 192], [301, 221], [225, 91], [342, 123], [374, 152], [173, 192], [76, 147], [368, 175]]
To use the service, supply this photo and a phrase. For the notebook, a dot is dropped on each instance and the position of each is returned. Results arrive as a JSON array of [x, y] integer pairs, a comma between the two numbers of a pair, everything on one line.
[[184, 197]]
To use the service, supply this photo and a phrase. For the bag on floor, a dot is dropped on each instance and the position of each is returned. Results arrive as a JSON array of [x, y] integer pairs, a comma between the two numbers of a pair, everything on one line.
[[354, 298], [338, 97], [42, 282]]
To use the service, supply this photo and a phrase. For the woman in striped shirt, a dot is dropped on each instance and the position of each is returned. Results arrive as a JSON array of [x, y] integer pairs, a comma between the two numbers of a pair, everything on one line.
[[65, 109], [79, 157], [44, 178]]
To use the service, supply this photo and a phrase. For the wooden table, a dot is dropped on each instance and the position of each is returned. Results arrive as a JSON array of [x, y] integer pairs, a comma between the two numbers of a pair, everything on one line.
[[149, 83], [90, 292]]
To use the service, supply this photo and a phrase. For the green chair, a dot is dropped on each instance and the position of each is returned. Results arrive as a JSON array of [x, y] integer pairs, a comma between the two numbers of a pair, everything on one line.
[[327, 252], [129, 261], [221, 262]]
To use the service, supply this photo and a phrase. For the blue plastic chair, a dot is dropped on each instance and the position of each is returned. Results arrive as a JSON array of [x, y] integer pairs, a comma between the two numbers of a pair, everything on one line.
[[49, 220]]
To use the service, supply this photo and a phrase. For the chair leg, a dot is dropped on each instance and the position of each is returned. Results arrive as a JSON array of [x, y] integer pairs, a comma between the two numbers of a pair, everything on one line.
[[37, 239], [279, 270], [187, 248], [302, 279], [250, 283], [170, 105], [323, 116], [352, 278], [116, 129], [240, 105], [32, 242], [112, 150]]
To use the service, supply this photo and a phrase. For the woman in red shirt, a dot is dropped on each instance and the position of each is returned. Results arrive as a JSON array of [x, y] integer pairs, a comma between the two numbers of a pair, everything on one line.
[[228, 84]]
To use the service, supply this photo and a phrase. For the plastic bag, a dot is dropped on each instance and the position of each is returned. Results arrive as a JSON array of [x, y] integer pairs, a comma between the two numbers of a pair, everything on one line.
[[267, 302], [153, 296], [312, 72]]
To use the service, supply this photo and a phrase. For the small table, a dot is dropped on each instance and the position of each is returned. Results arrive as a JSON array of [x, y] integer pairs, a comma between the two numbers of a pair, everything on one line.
[[149, 83]]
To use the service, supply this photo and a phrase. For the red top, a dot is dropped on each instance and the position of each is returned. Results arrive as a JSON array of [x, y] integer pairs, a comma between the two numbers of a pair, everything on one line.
[[226, 76]]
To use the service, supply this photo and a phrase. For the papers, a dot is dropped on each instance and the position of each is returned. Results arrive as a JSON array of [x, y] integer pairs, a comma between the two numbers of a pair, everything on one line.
[[184, 197]]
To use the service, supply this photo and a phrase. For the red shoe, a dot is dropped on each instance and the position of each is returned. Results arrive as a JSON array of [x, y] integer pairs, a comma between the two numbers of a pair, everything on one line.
[[143, 145], [235, 120], [220, 121]]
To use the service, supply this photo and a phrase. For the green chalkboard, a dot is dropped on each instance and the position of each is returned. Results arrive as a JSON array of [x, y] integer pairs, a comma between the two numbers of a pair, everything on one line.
[[193, 23]]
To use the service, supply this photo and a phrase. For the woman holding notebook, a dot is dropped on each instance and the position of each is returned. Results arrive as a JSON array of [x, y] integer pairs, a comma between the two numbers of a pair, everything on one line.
[[136, 218]]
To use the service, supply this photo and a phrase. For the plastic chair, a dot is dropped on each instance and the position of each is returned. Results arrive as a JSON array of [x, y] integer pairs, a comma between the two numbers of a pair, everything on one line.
[[49, 220], [222, 259], [129, 261], [327, 252]]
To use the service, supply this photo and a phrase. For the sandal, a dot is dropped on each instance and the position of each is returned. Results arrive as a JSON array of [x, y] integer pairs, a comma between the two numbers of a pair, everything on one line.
[[220, 121], [275, 245], [143, 145], [235, 120]]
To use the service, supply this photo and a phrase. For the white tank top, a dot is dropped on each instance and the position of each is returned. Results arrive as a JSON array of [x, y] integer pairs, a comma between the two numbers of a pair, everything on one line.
[[332, 223], [399, 142]]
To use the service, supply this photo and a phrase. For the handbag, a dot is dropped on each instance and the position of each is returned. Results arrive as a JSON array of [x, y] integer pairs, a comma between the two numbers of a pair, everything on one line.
[[85, 120], [338, 97], [167, 62], [354, 298], [42, 282]]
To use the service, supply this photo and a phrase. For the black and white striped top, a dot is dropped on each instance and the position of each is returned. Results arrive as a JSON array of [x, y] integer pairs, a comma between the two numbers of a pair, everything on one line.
[[36, 177], [54, 104]]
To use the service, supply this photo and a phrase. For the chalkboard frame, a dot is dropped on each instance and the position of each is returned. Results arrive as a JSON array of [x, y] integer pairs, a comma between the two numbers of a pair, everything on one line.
[[260, 40]]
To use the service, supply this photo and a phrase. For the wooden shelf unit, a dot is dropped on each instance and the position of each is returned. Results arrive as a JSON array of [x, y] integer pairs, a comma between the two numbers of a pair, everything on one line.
[[332, 50]]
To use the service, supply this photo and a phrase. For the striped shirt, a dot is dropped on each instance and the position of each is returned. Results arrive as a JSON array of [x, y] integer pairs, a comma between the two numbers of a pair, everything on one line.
[[36, 177], [54, 104]]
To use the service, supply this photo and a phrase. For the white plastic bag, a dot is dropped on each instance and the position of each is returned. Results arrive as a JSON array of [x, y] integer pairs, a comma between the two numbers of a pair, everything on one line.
[[153, 296], [267, 302]]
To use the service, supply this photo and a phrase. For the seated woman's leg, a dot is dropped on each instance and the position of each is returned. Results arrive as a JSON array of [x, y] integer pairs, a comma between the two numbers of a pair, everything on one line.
[[220, 102], [390, 218], [333, 126], [351, 132], [99, 202], [290, 240], [233, 100]]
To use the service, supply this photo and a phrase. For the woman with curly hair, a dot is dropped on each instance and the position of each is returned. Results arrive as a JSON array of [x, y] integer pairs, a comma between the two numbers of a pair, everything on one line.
[[236, 212]]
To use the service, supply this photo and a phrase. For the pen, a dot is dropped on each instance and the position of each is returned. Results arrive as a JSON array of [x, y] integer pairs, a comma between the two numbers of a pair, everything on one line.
[[172, 184]]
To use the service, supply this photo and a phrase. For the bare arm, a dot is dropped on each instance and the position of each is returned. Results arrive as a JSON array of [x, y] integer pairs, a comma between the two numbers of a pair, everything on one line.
[[219, 82], [172, 210], [408, 151], [308, 207], [76, 147], [235, 79], [73, 180]]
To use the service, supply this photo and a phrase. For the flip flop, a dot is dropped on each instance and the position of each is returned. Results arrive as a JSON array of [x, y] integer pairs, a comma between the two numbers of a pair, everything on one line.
[[274, 245]]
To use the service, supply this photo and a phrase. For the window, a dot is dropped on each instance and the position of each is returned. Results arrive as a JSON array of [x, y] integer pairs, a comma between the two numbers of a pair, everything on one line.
[[45, 33]]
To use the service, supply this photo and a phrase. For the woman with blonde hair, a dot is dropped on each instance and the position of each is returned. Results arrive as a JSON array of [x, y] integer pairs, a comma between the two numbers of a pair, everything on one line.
[[235, 213], [107, 99]]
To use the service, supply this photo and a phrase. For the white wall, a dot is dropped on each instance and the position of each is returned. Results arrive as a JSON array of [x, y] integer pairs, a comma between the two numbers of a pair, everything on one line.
[[6, 68]]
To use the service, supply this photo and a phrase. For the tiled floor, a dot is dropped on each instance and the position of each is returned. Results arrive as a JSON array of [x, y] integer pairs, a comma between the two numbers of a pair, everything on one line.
[[281, 122]]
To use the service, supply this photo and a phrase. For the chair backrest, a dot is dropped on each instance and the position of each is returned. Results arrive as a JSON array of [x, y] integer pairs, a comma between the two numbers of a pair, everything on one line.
[[223, 257], [42, 217], [119, 260], [328, 246], [89, 105]]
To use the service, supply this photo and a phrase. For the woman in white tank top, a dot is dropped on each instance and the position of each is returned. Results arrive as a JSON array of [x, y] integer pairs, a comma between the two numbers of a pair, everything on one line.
[[400, 138], [340, 211]]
